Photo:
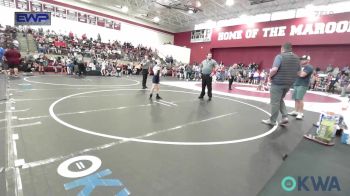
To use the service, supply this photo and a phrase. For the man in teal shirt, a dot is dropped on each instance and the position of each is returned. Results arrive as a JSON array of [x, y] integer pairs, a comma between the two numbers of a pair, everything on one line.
[[208, 65], [301, 85]]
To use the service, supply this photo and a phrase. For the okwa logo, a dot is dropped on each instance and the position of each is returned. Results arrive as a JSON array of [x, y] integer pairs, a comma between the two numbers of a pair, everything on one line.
[[310, 183]]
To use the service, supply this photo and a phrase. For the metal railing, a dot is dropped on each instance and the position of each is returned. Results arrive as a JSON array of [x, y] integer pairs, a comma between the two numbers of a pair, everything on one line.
[[3, 85], [26, 34]]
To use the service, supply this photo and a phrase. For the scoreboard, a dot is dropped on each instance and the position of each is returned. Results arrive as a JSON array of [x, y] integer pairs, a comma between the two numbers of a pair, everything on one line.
[[202, 35]]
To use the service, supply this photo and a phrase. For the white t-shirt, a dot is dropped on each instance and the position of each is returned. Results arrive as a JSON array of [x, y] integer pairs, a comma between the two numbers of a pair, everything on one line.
[[104, 63], [92, 66], [197, 68], [156, 68], [256, 74]]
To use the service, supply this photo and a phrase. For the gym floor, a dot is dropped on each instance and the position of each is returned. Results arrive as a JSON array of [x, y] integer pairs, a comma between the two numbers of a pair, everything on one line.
[[103, 136]]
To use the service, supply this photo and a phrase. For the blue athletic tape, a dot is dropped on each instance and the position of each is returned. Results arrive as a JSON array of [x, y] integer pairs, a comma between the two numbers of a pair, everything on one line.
[[124, 192], [92, 181]]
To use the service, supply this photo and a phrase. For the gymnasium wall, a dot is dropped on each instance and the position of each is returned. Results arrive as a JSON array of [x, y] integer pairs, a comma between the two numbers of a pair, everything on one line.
[[128, 32], [181, 54], [325, 48], [73, 4]]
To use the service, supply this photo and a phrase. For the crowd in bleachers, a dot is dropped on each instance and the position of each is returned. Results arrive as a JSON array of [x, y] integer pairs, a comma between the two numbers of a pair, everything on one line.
[[244, 73], [8, 39], [8, 36], [50, 42], [71, 54], [331, 80], [63, 53]]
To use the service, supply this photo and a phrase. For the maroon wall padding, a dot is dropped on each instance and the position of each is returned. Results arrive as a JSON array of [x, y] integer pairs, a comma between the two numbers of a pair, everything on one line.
[[309, 39], [321, 56], [324, 49]]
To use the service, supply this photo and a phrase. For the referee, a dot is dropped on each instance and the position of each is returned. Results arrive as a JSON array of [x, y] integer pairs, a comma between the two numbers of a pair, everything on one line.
[[146, 65], [208, 66]]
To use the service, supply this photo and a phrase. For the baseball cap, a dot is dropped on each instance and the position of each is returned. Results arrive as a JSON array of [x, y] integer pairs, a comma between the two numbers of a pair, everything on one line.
[[287, 46], [305, 57]]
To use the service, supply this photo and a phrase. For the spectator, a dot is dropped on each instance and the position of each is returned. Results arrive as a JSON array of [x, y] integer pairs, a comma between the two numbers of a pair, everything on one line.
[[181, 72], [2, 52], [164, 71], [103, 67], [109, 69], [70, 67], [188, 72], [196, 70], [12, 57], [256, 77], [129, 69], [62, 65], [173, 71], [344, 83], [262, 76], [221, 72], [40, 61], [81, 68], [333, 83], [232, 74], [16, 44], [119, 71], [329, 68], [91, 65]]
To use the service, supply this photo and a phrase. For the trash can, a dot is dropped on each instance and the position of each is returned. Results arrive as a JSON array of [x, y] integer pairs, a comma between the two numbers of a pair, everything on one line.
[[3, 86]]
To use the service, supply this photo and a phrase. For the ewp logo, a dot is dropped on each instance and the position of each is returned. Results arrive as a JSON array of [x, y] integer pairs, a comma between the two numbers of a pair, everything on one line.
[[310, 183], [32, 18]]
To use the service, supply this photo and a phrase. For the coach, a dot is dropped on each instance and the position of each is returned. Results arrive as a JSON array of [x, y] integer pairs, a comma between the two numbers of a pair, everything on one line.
[[282, 74], [301, 85]]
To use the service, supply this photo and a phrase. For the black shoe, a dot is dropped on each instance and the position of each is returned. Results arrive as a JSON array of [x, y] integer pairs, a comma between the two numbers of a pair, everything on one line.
[[230, 89], [158, 97], [209, 99], [144, 87], [284, 157], [200, 97], [150, 96]]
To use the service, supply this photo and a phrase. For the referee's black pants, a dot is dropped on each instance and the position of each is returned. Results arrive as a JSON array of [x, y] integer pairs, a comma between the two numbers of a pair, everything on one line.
[[144, 77], [230, 81], [206, 82]]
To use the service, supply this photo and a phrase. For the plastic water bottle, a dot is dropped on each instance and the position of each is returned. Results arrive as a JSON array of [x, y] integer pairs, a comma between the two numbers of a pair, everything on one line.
[[344, 105]]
